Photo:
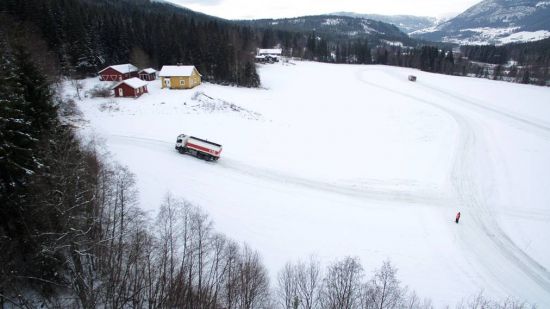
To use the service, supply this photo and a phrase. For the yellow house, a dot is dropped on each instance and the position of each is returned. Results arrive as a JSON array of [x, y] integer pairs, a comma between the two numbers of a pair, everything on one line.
[[179, 76]]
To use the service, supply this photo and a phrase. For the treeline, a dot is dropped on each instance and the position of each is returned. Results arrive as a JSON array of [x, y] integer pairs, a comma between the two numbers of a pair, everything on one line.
[[532, 66], [344, 284], [527, 63], [522, 53], [89, 35], [349, 51]]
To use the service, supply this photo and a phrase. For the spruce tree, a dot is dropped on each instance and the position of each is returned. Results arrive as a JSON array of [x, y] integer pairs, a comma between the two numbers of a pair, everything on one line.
[[17, 161], [251, 76], [28, 121], [36, 92], [18, 164]]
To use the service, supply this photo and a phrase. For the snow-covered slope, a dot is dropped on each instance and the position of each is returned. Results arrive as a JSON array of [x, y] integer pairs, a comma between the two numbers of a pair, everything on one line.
[[406, 23], [494, 22], [367, 164]]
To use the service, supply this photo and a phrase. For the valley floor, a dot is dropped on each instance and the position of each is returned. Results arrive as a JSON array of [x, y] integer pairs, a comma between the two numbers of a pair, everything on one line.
[[351, 160]]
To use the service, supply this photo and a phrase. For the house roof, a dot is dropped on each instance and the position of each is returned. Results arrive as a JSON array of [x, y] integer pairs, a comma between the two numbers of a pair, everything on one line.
[[122, 68], [272, 51], [176, 70], [148, 71], [133, 82]]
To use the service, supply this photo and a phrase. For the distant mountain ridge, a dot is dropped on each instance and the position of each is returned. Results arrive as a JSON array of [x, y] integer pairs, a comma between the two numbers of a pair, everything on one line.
[[406, 23], [338, 27], [494, 22]]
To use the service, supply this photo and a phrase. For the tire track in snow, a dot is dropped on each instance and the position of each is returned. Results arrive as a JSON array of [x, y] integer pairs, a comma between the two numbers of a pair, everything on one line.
[[370, 193], [529, 124], [366, 192], [542, 127], [469, 195]]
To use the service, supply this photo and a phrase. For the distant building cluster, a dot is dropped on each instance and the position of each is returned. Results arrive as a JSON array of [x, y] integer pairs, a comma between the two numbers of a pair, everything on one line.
[[132, 82]]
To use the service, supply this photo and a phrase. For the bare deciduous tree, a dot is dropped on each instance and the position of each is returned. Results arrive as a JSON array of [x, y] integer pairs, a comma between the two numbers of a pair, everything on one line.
[[308, 281], [287, 289], [383, 290], [253, 283], [342, 285]]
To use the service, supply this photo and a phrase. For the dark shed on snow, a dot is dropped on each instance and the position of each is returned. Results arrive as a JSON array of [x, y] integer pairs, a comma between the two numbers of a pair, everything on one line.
[[148, 74]]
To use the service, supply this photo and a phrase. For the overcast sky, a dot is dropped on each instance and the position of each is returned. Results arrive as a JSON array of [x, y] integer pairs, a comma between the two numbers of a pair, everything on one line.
[[253, 9]]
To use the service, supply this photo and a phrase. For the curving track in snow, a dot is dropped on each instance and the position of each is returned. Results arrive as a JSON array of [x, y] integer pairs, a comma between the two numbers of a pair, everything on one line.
[[233, 165], [502, 260]]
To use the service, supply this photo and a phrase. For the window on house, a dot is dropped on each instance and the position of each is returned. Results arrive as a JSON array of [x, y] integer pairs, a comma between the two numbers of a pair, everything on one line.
[[182, 82]]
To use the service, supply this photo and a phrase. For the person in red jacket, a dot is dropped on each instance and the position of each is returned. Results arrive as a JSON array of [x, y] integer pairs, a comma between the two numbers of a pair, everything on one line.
[[457, 217]]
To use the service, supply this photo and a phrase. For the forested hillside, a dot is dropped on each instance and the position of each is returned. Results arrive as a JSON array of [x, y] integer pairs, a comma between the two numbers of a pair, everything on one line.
[[89, 35], [335, 27]]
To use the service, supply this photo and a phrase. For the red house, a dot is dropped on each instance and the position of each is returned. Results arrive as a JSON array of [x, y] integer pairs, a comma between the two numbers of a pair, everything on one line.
[[133, 88], [148, 74], [118, 72]]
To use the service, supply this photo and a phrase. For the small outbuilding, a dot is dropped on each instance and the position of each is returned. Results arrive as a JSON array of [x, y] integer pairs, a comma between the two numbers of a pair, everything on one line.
[[270, 55], [179, 76], [133, 88], [148, 74], [118, 72]]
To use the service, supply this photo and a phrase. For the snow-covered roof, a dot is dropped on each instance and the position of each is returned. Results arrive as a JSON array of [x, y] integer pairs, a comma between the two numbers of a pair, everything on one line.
[[122, 68], [272, 51], [176, 70], [133, 82], [148, 71]]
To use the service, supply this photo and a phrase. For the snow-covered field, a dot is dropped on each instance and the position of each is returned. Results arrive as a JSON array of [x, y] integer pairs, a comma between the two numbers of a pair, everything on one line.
[[344, 160]]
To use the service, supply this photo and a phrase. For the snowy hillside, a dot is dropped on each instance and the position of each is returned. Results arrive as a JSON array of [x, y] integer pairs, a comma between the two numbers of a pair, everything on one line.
[[406, 23], [494, 22], [367, 164]]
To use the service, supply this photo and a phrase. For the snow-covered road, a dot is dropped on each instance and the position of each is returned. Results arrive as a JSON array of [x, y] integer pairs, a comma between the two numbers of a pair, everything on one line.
[[500, 257], [370, 165]]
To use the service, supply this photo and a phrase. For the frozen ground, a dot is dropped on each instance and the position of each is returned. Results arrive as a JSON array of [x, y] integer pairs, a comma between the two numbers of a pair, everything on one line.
[[338, 160]]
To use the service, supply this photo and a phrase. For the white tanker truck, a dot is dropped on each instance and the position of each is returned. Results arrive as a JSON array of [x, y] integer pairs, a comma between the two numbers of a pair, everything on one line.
[[198, 147]]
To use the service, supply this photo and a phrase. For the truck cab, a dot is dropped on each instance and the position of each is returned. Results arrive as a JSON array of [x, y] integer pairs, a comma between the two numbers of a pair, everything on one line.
[[181, 140]]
